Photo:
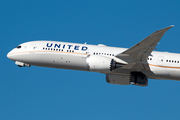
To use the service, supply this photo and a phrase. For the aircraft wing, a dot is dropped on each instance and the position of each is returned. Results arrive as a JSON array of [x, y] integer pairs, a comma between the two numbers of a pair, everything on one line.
[[136, 56]]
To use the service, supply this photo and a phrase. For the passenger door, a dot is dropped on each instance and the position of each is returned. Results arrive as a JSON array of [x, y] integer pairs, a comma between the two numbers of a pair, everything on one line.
[[160, 60], [33, 47]]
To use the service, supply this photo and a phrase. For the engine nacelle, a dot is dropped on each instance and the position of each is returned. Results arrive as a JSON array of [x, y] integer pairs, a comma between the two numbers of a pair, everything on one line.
[[21, 64], [136, 78], [100, 63], [118, 79]]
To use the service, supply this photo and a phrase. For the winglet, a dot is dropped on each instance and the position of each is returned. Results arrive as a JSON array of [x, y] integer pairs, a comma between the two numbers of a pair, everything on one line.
[[164, 29]]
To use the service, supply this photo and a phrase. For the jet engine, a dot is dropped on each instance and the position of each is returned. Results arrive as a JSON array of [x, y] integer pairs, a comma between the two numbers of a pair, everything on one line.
[[100, 63], [21, 64], [136, 78]]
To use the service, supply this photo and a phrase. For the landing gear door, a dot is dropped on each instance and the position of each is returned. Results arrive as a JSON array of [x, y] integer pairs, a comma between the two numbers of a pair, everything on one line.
[[160, 60]]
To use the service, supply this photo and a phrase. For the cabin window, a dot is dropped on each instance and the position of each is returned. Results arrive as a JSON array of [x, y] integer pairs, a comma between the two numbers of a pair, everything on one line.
[[177, 61]]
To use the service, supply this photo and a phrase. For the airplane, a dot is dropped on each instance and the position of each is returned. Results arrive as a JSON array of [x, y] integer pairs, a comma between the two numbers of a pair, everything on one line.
[[122, 66]]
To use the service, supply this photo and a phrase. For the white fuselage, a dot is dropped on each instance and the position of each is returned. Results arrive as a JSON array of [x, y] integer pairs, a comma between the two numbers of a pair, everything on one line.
[[163, 65]]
